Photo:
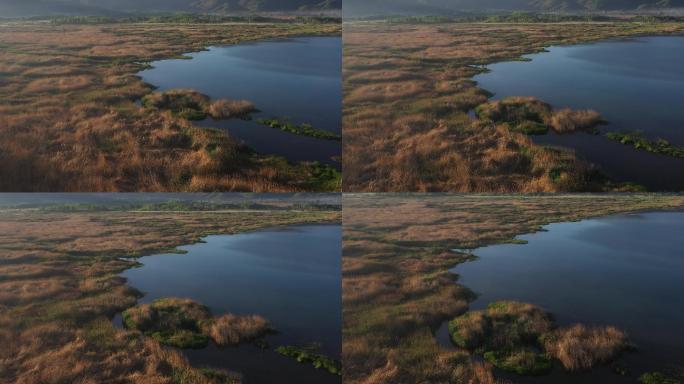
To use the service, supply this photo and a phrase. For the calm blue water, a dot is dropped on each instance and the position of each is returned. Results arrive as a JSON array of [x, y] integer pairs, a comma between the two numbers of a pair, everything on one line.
[[625, 270], [635, 84], [298, 78], [291, 276]]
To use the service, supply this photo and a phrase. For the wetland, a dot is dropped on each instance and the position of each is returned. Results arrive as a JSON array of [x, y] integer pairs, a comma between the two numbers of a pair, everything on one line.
[[288, 275], [635, 84], [622, 271], [296, 80]]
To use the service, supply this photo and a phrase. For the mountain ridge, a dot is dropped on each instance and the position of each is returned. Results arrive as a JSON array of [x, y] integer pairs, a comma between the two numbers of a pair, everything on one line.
[[22, 8]]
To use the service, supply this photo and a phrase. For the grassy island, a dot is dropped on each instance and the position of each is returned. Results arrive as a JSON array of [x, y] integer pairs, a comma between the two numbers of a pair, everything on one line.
[[183, 323], [522, 338]]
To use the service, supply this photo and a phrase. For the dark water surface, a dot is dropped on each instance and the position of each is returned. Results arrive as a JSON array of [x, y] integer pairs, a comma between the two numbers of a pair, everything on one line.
[[289, 275], [298, 78], [624, 270], [636, 84]]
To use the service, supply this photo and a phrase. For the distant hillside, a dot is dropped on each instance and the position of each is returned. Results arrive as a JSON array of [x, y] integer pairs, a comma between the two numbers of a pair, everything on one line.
[[375, 7], [19, 8]]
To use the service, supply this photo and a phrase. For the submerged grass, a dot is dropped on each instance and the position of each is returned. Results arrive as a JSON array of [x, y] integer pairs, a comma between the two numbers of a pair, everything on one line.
[[310, 355], [304, 129], [636, 140]]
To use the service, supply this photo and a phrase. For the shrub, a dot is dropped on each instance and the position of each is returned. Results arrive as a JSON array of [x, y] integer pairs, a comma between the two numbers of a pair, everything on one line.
[[568, 120], [580, 347], [231, 329], [224, 109]]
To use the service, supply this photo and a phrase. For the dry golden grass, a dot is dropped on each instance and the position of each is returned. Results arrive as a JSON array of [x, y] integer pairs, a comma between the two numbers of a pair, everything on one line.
[[580, 347], [407, 94], [397, 250], [223, 109], [69, 121], [230, 329], [60, 289], [568, 120]]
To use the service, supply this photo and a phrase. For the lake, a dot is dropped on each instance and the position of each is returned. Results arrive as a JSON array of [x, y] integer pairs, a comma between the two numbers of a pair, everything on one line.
[[636, 84], [297, 78], [289, 275], [625, 270]]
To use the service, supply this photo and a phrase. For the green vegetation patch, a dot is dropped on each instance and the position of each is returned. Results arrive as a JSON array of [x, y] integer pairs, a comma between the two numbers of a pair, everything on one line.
[[310, 355], [531, 116], [521, 338], [521, 114], [523, 361], [183, 323], [324, 177], [192, 105], [504, 324], [658, 378], [636, 140], [186, 103], [171, 321], [304, 129]]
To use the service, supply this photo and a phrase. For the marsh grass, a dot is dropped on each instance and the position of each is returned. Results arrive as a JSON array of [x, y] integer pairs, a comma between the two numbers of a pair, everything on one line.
[[513, 335], [59, 328], [636, 140], [171, 321], [408, 91], [580, 347], [311, 356], [397, 289], [230, 329], [304, 129], [70, 122]]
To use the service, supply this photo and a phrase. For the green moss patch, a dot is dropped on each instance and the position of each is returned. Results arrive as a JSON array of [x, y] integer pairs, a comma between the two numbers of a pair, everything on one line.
[[522, 338], [522, 361], [172, 321], [310, 355], [658, 378], [183, 323], [186, 103], [521, 114], [504, 324], [192, 105], [531, 116]]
